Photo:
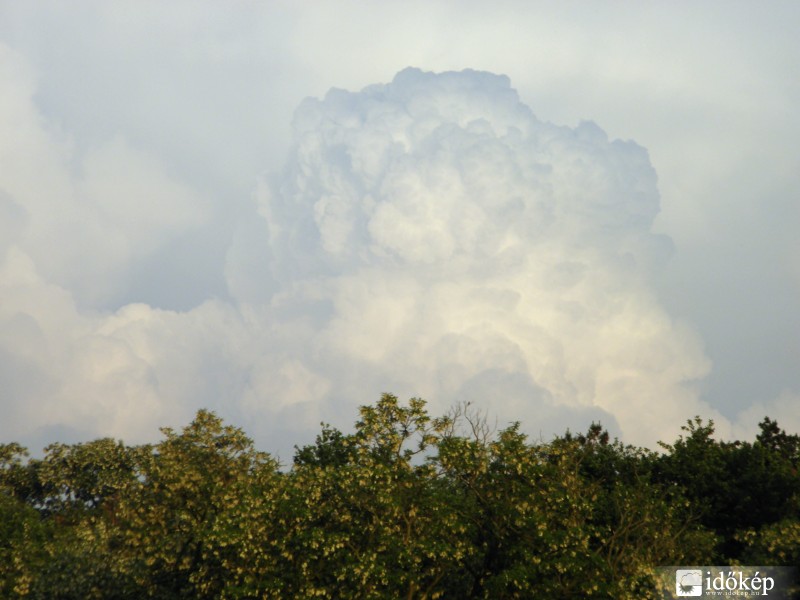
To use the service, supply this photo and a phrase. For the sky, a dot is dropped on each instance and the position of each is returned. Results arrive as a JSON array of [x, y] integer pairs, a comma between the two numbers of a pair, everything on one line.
[[561, 212]]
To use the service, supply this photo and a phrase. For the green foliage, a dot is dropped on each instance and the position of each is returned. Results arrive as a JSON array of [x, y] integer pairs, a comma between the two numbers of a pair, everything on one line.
[[735, 486], [405, 506], [21, 546], [169, 517]]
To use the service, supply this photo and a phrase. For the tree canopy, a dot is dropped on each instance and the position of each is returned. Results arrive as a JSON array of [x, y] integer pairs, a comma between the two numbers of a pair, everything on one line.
[[405, 506]]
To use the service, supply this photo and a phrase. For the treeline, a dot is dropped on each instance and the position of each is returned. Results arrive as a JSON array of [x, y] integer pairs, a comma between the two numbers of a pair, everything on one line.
[[407, 506]]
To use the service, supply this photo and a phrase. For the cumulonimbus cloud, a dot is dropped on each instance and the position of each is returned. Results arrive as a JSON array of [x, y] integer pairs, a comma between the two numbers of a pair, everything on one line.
[[429, 237], [444, 239]]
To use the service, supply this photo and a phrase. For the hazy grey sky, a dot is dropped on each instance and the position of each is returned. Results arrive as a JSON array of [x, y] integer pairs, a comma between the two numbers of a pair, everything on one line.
[[597, 220]]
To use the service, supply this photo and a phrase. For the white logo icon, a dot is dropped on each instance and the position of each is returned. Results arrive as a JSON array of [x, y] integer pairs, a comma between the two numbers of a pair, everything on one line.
[[689, 582]]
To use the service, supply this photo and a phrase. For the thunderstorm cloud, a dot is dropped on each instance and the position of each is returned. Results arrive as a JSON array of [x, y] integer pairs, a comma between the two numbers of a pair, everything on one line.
[[427, 237]]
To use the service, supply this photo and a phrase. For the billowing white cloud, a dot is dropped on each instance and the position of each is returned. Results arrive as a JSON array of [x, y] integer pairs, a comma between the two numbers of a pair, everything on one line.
[[441, 236], [427, 237], [77, 227]]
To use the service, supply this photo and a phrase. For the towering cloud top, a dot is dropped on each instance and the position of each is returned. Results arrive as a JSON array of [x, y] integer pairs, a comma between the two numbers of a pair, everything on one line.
[[453, 170], [466, 249]]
